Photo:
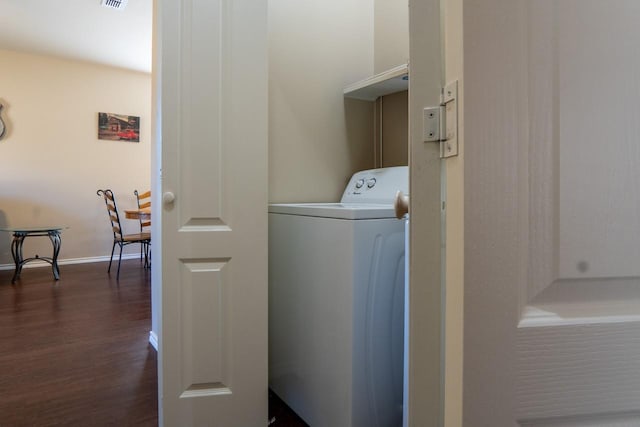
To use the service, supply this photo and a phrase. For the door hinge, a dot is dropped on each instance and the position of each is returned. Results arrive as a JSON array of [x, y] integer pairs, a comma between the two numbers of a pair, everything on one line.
[[440, 124]]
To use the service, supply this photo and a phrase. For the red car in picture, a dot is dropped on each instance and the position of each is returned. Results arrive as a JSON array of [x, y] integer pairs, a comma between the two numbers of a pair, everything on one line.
[[128, 134]]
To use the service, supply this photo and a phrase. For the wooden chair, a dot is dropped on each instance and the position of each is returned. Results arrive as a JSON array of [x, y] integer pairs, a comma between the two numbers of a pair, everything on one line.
[[122, 239], [144, 201]]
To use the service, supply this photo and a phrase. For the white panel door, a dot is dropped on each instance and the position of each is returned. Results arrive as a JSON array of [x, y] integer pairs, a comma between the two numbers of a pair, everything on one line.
[[212, 86], [552, 213]]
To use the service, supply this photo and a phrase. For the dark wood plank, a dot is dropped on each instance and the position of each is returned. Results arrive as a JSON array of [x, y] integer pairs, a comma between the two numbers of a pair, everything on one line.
[[75, 352]]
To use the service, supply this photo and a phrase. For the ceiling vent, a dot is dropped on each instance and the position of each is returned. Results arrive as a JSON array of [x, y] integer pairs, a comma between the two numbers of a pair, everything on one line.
[[114, 4]]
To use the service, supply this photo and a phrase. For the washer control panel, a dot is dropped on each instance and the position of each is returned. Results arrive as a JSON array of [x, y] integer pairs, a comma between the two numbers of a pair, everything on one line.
[[376, 186]]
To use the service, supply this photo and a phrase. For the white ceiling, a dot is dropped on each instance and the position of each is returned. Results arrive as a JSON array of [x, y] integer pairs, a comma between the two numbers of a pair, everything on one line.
[[80, 29]]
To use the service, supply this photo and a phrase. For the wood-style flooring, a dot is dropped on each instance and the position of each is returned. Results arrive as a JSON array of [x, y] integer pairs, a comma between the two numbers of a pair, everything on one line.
[[75, 352]]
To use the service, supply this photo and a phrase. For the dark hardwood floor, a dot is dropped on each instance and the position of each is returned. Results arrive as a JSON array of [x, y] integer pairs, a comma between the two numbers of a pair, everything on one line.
[[75, 352]]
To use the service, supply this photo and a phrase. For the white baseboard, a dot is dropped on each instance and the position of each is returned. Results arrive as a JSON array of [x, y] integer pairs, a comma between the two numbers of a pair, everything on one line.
[[67, 261], [153, 339]]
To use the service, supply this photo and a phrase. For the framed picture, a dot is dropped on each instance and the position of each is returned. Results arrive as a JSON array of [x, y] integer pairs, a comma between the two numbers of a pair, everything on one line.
[[118, 127]]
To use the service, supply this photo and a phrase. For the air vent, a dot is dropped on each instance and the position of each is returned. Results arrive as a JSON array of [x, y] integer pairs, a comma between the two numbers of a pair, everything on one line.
[[114, 4]]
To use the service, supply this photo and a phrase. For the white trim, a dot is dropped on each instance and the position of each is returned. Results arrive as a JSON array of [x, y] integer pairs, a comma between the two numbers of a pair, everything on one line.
[[385, 83], [153, 339], [67, 261], [535, 317]]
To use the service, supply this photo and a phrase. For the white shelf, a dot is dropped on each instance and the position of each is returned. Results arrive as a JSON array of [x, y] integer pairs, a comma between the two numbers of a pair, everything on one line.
[[390, 81]]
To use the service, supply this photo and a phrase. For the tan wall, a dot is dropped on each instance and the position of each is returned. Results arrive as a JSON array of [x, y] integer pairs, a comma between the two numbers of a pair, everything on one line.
[[52, 160], [391, 27], [317, 139], [395, 129], [391, 48]]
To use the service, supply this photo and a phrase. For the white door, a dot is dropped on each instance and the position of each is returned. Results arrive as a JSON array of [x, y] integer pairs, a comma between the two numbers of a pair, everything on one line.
[[552, 213], [211, 84]]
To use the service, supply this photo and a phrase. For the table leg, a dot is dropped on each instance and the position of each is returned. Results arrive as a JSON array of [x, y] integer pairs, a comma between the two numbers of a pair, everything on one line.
[[56, 241], [16, 253]]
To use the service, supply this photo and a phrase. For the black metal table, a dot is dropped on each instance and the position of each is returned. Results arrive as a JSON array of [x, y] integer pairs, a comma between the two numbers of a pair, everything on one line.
[[21, 233]]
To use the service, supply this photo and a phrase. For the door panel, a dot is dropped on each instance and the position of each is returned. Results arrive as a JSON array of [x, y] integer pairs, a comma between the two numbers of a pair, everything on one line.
[[552, 214], [213, 91], [205, 341]]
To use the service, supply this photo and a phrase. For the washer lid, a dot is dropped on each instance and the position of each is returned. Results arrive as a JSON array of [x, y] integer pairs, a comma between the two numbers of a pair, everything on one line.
[[351, 211]]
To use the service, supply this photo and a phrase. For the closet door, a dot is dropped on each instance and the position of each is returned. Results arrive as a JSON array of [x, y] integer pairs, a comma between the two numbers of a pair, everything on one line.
[[552, 213], [211, 83]]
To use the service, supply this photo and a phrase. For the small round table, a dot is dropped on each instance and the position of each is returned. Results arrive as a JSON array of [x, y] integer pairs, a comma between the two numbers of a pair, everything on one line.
[[21, 233], [141, 214]]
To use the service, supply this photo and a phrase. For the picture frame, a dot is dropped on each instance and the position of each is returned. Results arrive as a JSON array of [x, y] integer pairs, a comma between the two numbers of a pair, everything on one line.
[[118, 127]]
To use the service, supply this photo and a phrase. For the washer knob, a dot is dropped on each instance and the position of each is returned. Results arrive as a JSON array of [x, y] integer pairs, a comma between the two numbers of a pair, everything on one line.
[[371, 182], [359, 183]]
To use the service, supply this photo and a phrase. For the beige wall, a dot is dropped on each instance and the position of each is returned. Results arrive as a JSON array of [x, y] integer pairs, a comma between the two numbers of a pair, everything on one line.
[[395, 129], [52, 160], [391, 28], [317, 139], [391, 48]]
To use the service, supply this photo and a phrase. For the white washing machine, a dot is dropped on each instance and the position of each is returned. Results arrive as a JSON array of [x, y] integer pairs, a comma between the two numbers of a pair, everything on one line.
[[336, 304]]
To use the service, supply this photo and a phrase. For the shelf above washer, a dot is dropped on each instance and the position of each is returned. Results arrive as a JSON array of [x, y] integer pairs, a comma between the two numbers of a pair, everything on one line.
[[390, 81]]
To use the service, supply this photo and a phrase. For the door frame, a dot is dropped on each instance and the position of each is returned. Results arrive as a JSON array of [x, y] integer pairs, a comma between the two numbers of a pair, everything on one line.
[[453, 222], [424, 348]]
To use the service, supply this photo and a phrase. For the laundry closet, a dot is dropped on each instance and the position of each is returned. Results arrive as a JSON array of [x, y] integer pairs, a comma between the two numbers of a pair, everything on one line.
[[338, 109]]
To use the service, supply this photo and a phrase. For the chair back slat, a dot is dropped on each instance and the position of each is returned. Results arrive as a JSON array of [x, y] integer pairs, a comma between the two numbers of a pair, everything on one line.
[[144, 202], [112, 211]]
